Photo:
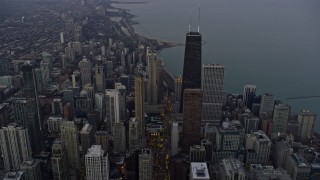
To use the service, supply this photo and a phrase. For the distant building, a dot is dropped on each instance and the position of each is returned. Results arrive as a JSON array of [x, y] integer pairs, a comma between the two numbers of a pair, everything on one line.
[[154, 71], [97, 163], [33, 121], [306, 121], [122, 101], [282, 150], [228, 143], [6, 81], [259, 172], [232, 169], [15, 175], [293, 128], [68, 112], [212, 86], [86, 137], [85, 70], [251, 124], [133, 134], [56, 107], [267, 104], [45, 73], [139, 105], [208, 146], [177, 87], [109, 69], [99, 76], [280, 120], [32, 169], [15, 146], [102, 138], [197, 153], [174, 138], [70, 137], [145, 165], [100, 104], [192, 113], [298, 167], [258, 148], [247, 91], [119, 138], [61, 38], [54, 124], [112, 108], [5, 112], [59, 161], [199, 171]]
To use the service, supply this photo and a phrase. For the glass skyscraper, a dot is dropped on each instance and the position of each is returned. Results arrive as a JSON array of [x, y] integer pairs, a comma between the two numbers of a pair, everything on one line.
[[192, 64]]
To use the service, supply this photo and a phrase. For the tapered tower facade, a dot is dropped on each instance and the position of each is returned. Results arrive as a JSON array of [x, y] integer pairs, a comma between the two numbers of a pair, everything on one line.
[[192, 64]]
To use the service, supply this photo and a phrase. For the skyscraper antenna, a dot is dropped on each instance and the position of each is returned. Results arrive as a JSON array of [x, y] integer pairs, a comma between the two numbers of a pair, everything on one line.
[[199, 19], [190, 20]]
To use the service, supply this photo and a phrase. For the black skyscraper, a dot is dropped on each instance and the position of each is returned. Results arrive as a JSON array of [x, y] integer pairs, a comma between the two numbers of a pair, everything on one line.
[[33, 112], [192, 64]]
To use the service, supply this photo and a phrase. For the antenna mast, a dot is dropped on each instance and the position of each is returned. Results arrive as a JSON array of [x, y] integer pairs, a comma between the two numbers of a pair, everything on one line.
[[199, 19], [190, 20]]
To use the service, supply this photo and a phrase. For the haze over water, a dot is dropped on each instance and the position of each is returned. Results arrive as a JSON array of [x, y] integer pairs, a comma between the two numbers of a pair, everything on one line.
[[274, 44]]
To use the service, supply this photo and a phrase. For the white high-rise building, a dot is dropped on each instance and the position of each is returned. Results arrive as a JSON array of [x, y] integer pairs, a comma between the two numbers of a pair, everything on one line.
[[45, 72], [97, 163], [85, 70], [247, 90], [70, 137], [212, 86], [112, 108], [145, 165], [61, 37], [306, 121], [280, 120], [154, 81], [267, 104], [199, 171], [122, 100], [15, 146], [100, 104], [232, 169], [258, 147], [174, 138]]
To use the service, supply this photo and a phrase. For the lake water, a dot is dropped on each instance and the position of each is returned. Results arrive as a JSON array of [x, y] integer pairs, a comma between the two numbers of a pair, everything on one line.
[[274, 44]]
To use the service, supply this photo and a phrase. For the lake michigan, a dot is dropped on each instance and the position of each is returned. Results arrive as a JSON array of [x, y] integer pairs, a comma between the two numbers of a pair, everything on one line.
[[274, 44]]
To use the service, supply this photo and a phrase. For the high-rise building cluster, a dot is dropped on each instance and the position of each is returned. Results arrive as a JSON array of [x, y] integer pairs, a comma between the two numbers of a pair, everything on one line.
[[99, 104]]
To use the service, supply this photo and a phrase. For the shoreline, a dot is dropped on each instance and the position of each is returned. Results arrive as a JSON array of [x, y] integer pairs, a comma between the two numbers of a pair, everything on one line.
[[127, 28]]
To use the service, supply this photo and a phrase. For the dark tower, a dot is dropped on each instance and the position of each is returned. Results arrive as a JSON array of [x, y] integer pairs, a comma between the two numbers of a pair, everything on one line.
[[192, 64], [192, 115], [33, 112]]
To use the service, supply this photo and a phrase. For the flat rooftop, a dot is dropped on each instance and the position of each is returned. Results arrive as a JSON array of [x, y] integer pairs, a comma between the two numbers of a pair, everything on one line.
[[199, 170]]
